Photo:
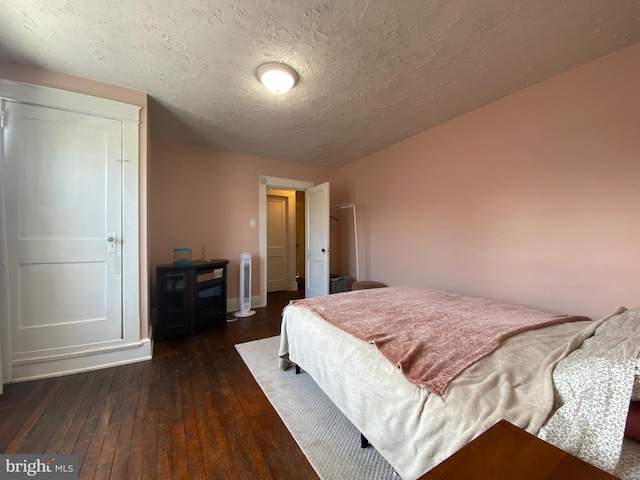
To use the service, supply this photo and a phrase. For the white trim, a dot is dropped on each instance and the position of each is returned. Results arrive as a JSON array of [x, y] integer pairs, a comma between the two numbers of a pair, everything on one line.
[[84, 361], [71, 101], [66, 351], [264, 183], [233, 304], [5, 330], [130, 233]]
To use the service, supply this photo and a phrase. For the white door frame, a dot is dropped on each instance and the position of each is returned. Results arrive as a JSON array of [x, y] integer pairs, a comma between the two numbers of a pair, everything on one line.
[[5, 327], [264, 184], [132, 347]]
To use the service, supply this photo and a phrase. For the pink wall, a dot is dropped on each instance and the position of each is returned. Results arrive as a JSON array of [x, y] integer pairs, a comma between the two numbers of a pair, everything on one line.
[[201, 196], [37, 76], [533, 199]]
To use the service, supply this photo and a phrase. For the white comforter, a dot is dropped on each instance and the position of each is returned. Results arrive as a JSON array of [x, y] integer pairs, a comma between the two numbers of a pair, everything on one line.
[[412, 429]]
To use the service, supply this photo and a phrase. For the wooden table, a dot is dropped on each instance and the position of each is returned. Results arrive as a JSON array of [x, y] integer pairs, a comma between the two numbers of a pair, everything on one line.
[[507, 452]]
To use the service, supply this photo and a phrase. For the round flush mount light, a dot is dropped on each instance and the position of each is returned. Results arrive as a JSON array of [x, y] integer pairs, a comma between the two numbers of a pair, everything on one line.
[[277, 77]]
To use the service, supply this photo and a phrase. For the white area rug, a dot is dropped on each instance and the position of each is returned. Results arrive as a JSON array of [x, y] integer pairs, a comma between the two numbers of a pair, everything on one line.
[[329, 441]]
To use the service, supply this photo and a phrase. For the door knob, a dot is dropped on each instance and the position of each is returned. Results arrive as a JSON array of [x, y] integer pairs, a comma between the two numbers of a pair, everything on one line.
[[111, 238]]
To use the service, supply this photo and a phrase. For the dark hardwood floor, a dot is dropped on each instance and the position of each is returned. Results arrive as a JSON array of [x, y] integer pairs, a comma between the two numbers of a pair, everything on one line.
[[193, 412]]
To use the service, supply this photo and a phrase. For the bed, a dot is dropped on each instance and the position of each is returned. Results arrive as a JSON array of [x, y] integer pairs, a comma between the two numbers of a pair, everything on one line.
[[415, 424]]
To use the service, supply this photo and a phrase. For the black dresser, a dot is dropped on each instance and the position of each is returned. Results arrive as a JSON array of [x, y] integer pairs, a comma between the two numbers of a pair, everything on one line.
[[190, 297]]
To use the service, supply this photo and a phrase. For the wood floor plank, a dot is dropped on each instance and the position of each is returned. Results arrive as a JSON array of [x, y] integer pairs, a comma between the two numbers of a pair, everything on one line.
[[224, 441], [165, 454], [91, 434], [53, 416], [205, 427], [69, 410], [100, 435], [21, 440], [123, 448], [107, 451], [14, 424], [134, 459], [69, 441], [180, 466], [14, 396], [149, 470], [193, 448]]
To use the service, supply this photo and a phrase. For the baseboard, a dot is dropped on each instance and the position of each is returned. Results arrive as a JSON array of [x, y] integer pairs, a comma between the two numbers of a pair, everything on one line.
[[233, 304], [85, 361]]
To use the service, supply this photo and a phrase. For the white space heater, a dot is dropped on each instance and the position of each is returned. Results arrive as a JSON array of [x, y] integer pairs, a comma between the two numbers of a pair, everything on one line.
[[245, 287]]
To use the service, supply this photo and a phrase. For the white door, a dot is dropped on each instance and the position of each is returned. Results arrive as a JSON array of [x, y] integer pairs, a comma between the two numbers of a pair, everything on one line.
[[317, 240], [276, 243], [64, 186], [300, 243]]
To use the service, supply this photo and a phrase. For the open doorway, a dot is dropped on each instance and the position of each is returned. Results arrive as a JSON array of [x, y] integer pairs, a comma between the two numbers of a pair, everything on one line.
[[282, 222], [266, 186]]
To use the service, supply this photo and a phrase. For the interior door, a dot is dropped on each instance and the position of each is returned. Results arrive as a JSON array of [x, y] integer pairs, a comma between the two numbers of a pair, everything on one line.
[[300, 243], [276, 243], [317, 240], [64, 225]]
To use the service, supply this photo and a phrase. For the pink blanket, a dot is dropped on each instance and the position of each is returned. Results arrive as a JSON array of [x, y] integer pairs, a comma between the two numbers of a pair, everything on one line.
[[431, 336]]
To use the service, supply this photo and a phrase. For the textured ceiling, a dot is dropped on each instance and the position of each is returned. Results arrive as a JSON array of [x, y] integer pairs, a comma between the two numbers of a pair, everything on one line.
[[371, 72]]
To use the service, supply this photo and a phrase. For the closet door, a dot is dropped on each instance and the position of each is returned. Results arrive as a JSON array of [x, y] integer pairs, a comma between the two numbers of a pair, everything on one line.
[[64, 225]]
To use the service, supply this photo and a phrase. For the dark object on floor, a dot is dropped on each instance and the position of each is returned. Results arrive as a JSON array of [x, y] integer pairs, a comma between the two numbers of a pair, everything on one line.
[[632, 429], [365, 284]]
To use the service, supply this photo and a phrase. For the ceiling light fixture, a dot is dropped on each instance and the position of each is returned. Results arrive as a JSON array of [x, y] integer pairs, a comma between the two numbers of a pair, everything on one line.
[[277, 77]]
